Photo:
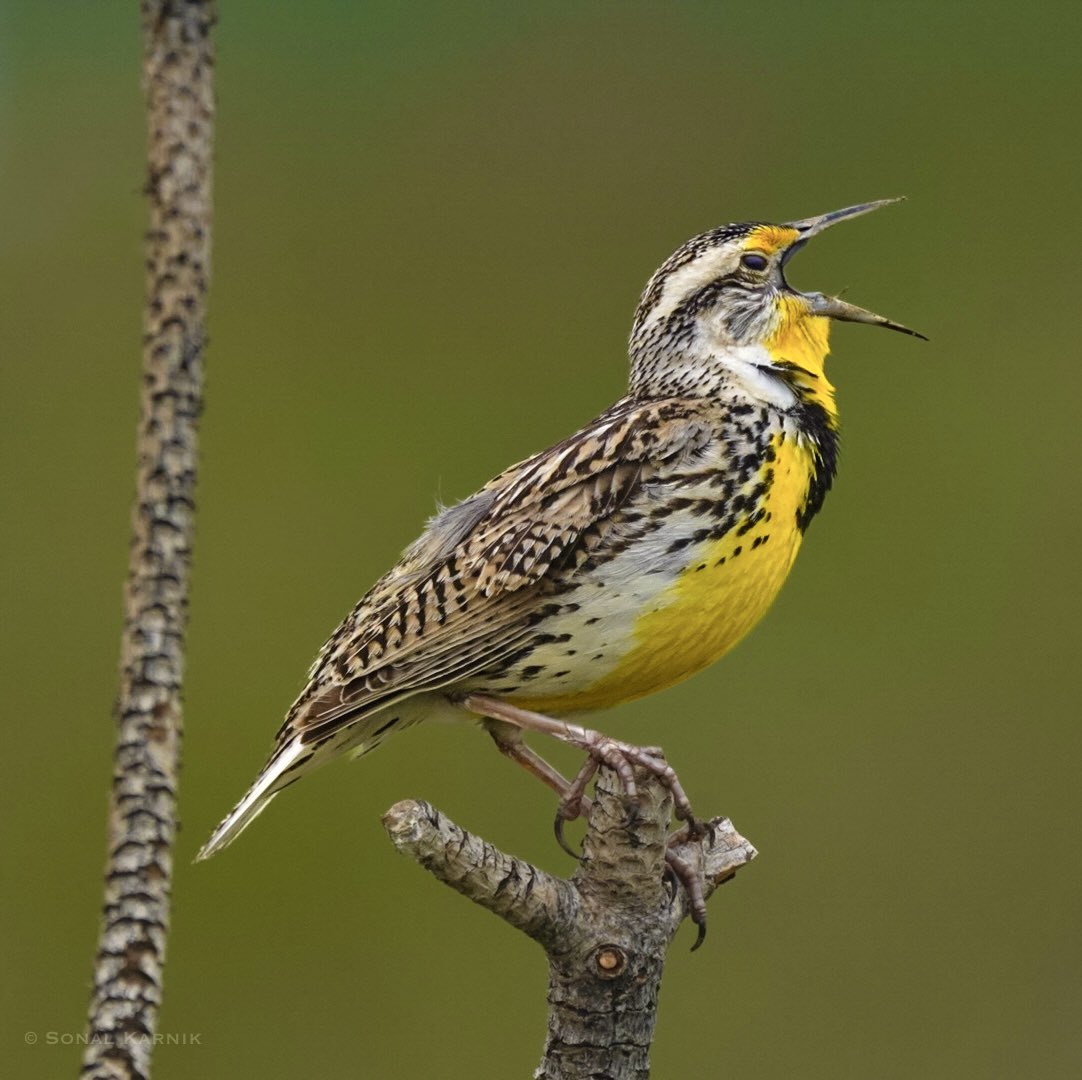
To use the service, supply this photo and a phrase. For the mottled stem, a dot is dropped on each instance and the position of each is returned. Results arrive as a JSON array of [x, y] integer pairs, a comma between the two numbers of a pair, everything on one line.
[[178, 82], [606, 931]]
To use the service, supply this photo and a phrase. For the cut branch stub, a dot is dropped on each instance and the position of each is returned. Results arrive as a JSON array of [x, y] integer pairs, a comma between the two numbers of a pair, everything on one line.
[[606, 931]]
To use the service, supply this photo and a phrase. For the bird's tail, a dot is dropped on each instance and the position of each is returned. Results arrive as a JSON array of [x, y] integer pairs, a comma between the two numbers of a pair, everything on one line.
[[269, 782]]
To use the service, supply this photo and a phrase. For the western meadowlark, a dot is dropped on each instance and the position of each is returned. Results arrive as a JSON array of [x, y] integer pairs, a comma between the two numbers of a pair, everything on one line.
[[617, 562]]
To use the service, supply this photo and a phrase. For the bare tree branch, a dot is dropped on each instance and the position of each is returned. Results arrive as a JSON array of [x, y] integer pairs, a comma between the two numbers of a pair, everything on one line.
[[606, 931], [178, 82]]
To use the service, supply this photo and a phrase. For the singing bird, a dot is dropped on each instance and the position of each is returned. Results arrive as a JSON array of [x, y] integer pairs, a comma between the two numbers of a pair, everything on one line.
[[619, 561]]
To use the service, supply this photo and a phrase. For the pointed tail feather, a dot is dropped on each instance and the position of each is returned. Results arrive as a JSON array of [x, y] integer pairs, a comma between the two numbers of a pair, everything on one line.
[[269, 782]]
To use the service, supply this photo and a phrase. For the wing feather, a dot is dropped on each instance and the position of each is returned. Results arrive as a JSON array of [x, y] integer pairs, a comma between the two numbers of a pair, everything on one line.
[[465, 594]]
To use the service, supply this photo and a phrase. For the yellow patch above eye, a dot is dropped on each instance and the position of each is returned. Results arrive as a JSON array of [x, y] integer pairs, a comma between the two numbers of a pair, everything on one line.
[[770, 239]]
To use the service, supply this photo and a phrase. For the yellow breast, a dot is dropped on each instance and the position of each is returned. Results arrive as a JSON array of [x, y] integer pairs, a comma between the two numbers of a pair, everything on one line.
[[724, 590]]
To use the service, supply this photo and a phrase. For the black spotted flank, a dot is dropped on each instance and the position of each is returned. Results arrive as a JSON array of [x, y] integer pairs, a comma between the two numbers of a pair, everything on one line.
[[816, 425]]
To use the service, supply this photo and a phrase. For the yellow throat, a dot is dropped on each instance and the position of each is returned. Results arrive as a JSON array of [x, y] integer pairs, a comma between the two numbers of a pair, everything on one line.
[[728, 583]]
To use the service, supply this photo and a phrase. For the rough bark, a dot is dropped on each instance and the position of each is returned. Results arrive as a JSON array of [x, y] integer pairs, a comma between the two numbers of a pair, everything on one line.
[[178, 83], [606, 931]]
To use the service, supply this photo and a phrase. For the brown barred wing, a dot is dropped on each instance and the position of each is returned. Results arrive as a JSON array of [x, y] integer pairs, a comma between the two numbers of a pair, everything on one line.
[[466, 594]]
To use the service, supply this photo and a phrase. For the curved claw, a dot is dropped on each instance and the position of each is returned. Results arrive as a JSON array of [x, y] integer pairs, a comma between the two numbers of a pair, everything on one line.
[[701, 936], [692, 881], [558, 830]]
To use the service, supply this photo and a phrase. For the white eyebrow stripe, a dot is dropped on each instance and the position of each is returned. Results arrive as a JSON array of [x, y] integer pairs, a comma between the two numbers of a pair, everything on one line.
[[690, 278]]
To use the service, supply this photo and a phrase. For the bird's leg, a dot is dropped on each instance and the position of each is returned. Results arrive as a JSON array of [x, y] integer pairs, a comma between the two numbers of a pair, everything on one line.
[[509, 742], [506, 722], [573, 800], [619, 756], [574, 803]]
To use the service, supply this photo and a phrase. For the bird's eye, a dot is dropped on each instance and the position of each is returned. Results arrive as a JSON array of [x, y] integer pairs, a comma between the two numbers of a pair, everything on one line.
[[754, 261]]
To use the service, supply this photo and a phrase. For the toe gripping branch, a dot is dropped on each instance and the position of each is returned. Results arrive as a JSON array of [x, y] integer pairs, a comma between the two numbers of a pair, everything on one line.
[[681, 868]]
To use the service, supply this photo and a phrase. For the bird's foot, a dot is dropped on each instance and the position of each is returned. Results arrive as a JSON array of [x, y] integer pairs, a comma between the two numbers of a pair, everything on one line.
[[574, 804], [620, 757], [506, 723], [602, 750]]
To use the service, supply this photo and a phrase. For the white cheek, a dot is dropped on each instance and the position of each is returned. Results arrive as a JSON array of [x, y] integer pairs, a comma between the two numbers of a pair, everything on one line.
[[747, 364], [712, 333]]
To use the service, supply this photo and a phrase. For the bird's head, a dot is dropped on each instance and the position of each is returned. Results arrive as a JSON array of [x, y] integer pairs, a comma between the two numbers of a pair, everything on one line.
[[719, 312]]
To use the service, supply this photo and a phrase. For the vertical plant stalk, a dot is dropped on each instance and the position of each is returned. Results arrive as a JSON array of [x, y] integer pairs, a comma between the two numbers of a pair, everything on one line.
[[178, 83]]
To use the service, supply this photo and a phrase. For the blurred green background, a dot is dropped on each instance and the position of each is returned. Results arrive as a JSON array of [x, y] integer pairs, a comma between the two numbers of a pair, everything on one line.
[[439, 218]]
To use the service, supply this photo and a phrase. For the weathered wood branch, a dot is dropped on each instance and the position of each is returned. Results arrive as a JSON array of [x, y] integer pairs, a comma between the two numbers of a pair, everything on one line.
[[178, 82], [606, 930]]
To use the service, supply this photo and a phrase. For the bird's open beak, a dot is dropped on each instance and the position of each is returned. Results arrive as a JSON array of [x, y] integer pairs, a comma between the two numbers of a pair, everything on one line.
[[812, 226], [832, 306]]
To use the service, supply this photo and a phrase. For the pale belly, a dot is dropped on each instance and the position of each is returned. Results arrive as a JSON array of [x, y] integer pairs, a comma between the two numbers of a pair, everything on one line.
[[640, 629]]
